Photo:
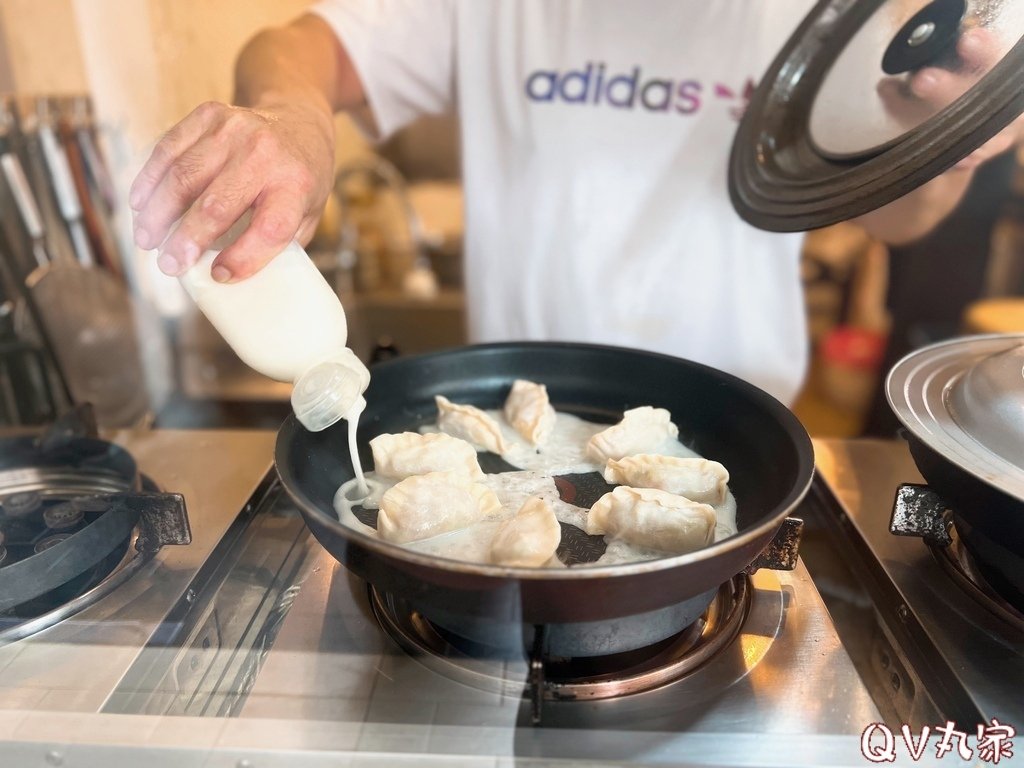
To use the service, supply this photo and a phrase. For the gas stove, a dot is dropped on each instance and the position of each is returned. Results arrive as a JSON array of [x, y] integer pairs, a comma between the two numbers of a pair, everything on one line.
[[252, 647], [955, 646]]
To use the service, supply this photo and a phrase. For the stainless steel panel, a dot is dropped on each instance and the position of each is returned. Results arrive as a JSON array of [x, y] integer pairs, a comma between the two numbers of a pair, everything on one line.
[[985, 653], [81, 660], [328, 688]]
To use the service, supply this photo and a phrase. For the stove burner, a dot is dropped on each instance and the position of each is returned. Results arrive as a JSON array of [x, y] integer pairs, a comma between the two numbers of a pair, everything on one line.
[[63, 516], [34, 522], [43, 522], [920, 511], [564, 679], [28, 535], [958, 562], [50, 541], [17, 505]]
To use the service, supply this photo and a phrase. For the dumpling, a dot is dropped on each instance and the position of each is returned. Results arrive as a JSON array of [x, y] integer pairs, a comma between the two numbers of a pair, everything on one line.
[[409, 453], [469, 423], [695, 478], [642, 430], [654, 519], [530, 538], [423, 506], [529, 411]]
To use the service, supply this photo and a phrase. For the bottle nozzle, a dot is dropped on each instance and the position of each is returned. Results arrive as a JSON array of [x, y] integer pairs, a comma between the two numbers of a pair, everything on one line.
[[329, 392]]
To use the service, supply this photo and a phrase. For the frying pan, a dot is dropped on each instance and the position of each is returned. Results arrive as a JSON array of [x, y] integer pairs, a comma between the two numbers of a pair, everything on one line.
[[766, 450]]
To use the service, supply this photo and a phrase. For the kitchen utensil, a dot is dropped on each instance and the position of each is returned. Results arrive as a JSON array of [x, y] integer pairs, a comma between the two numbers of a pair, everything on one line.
[[62, 182], [833, 132], [767, 452], [21, 123], [85, 316], [32, 229], [84, 122], [962, 404], [100, 239], [26, 392]]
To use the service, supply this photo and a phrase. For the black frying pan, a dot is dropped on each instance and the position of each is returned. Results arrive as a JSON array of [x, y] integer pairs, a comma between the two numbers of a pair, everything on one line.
[[766, 450], [990, 522]]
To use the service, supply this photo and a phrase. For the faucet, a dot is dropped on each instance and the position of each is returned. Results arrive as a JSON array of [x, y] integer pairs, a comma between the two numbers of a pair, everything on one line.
[[420, 280]]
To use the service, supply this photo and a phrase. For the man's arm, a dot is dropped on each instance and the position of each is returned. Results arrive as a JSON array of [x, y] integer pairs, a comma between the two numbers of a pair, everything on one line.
[[273, 154], [917, 213]]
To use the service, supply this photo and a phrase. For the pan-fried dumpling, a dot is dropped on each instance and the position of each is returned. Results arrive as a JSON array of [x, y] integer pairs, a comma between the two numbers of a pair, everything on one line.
[[469, 423], [642, 430], [529, 411], [423, 506], [696, 479], [409, 453], [530, 538], [654, 519]]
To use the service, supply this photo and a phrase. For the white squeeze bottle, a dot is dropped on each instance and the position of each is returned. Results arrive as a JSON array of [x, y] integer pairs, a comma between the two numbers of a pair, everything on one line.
[[288, 324]]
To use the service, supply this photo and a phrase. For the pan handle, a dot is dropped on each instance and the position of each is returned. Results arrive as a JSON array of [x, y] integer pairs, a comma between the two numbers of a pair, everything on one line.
[[782, 551], [920, 511]]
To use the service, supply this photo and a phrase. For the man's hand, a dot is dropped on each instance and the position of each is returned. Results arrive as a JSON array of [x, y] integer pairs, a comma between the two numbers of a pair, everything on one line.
[[912, 101], [219, 162], [929, 90], [275, 158]]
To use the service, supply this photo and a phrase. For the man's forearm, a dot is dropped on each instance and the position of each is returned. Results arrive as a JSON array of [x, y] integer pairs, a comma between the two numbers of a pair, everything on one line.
[[917, 213], [299, 64]]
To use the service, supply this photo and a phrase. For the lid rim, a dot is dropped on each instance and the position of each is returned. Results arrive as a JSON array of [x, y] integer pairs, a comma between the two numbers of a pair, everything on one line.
[[917, 388]]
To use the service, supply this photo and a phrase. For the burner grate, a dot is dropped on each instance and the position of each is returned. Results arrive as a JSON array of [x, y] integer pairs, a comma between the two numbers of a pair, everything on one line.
[[958, 562], [34, 521], [921, 512], [568, 679]]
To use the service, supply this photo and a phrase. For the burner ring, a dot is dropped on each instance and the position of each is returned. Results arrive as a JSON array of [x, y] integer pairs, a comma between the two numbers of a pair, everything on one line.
[[958, 562], [667, 662]]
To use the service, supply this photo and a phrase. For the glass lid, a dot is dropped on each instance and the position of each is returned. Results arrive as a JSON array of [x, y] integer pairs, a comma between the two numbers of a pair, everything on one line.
[[870, 99]]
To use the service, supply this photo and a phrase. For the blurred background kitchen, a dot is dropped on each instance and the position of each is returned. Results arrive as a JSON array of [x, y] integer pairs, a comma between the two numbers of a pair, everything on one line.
[[90, 84]]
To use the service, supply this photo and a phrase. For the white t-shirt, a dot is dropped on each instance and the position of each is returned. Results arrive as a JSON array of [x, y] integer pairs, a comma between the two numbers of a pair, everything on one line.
[[595, 138]]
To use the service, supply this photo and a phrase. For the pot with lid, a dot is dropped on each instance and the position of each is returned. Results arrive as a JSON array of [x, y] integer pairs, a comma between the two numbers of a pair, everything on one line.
[[962, 404]]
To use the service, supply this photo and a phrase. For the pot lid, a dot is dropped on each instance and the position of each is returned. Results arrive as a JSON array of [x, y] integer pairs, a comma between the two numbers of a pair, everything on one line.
[[964, 399], [833, 131]]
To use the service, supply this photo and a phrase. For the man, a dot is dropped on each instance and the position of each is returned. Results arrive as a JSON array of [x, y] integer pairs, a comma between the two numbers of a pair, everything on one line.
[[595, 140]]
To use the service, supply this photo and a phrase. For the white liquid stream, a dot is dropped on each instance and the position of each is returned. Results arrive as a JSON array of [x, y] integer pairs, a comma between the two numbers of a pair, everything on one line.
[[352, 418], [564, 453]]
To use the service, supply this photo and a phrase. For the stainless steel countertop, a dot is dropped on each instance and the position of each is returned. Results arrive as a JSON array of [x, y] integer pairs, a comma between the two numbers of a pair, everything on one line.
[[74, 665], [334, 691], [985, 653], [334, 664]]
